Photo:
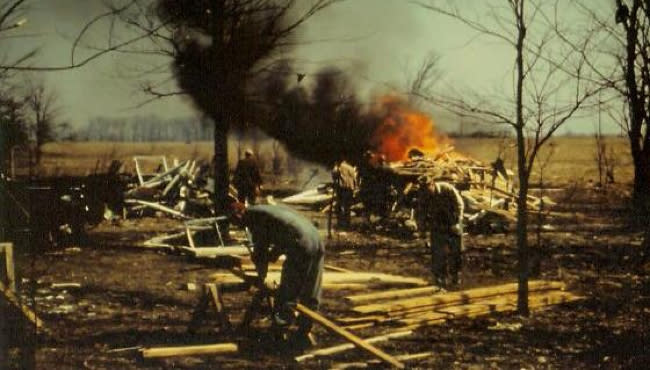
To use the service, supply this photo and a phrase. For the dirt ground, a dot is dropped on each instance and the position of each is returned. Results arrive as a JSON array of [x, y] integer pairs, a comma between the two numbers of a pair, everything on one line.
[[132, 297]]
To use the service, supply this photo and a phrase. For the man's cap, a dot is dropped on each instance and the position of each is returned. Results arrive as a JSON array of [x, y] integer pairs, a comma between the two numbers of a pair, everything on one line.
[[248, 151]]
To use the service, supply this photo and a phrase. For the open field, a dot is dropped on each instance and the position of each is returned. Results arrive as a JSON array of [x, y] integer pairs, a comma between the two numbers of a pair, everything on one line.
[[130, 296], [572, 159]]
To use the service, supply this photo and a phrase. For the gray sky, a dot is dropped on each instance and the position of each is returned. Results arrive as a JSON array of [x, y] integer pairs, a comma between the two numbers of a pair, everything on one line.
[[379, 41]]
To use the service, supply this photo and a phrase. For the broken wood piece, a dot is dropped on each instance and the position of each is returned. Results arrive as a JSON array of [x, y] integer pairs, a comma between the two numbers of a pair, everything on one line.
[[27, 312], [318, 318], [156, 206], [212, 252], [373, 363], [392, 294], [207, 349], [8, 250], [347, 346], [65, 286]]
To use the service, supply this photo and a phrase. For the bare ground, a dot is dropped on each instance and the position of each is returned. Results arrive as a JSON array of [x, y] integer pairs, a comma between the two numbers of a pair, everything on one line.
[[130, 297]]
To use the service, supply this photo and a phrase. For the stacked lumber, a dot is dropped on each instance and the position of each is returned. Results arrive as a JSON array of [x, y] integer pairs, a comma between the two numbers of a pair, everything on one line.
[[413, 308]]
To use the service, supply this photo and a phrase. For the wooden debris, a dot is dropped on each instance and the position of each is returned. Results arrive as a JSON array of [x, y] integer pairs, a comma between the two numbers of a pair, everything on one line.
[[8, 250], [207, 349], [316, 317], [374, 363], [347, 346], [27, 312], [156, 206]]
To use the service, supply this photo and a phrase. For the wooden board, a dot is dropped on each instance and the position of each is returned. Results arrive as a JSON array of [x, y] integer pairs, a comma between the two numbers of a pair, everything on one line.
[[207, 349], [455, 297], [316, 317], [392, 294]]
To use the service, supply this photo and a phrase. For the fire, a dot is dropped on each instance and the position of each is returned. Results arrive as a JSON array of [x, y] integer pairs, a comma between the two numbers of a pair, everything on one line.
[[403, 128]]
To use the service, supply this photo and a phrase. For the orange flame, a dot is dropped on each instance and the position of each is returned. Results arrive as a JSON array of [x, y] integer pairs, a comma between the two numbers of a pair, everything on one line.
[[404, 128]]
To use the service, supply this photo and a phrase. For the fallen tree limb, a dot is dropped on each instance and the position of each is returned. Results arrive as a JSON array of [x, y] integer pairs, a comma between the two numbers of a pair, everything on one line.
[[316, 317]]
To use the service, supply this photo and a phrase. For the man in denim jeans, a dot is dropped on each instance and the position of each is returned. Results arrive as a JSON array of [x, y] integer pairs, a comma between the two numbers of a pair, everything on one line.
[[278, 230]]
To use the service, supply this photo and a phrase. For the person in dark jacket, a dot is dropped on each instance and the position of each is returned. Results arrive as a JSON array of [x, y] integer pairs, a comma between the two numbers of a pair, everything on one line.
[[247, 178], [439, 211], [277, 230]]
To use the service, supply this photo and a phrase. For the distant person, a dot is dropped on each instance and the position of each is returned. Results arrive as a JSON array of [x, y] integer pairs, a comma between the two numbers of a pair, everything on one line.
[[345, 179], [439, 211], [277, 230], [247, 178]]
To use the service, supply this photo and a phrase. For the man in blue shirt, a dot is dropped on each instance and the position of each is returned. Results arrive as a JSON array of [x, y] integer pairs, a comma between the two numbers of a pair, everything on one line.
[[278, 230]]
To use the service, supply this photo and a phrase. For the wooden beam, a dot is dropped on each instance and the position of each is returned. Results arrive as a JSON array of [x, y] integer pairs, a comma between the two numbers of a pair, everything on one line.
[[503, 304], [8, 249], [206, 349], [392, 294], [456, 297], [27, 312], [316, 317], [347, 346], [374, 363]]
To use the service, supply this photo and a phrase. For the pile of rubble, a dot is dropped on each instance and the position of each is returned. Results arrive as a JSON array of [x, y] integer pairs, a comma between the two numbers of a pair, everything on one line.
[[182, 190], [488, 192]]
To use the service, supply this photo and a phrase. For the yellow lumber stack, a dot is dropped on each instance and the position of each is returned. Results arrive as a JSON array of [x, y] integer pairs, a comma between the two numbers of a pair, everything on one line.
[[417, 307]]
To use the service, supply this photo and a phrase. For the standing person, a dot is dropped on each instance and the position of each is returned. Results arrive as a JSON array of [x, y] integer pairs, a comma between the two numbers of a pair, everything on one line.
[[344, 176], [278, 230], [247, 178], [439, 211]]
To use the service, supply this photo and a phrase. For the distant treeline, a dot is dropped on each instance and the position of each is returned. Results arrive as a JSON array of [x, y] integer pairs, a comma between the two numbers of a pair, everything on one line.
[[146, 128]]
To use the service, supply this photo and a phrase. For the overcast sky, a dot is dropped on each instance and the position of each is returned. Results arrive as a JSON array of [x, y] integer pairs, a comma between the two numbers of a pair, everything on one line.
[[379, 41]]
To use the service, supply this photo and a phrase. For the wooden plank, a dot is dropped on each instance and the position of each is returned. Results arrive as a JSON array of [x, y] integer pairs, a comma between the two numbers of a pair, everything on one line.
[[504, 304], [235, 250], [359, 277], [206, 349], [218, 305], [156, 206], [347, 346], [8, 249], [27, 312], [374, 363], [456, 297], [392, 294], [316, 317]]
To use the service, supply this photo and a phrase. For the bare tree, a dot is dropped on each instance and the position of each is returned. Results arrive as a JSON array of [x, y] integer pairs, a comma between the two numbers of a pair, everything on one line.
[[44, 112], [544, 96], [425, 77], [216, 48]]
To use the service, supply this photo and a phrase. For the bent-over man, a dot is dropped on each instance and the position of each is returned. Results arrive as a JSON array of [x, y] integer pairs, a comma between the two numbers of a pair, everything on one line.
[[440, 212], [277, 230]]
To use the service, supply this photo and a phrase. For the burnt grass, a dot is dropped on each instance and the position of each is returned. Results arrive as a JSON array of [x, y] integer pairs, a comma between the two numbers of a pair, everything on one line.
[[132, 297]]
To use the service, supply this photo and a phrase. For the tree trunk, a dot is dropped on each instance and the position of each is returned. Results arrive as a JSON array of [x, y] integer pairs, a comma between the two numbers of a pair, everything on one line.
[[221, 170]]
